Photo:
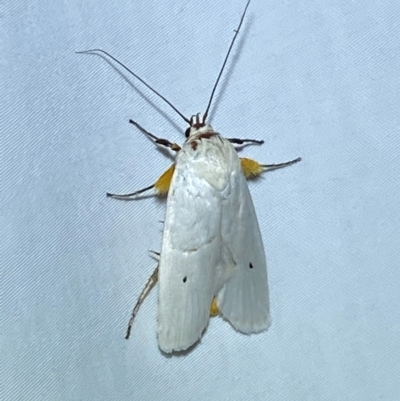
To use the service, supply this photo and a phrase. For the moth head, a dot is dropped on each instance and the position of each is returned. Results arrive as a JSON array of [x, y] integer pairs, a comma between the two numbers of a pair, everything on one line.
[[197, 126]]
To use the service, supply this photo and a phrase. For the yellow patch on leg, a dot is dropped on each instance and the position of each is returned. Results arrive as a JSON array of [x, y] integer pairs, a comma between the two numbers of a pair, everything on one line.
[[251, 168], [163, 183], [214, 310]]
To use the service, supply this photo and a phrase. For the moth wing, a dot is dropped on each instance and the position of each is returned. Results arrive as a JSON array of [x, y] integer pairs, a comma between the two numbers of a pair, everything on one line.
[[244, 300], [191, 246]]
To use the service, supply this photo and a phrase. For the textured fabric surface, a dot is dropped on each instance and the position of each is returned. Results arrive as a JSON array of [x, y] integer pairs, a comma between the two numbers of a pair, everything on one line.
[[313, 79]]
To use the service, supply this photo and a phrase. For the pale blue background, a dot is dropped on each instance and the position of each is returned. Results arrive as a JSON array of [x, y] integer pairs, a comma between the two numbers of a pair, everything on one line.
[[317, 79]]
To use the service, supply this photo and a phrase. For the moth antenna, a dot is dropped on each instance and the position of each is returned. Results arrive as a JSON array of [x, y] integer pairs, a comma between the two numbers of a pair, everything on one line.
[[225, 61], [137, 77]]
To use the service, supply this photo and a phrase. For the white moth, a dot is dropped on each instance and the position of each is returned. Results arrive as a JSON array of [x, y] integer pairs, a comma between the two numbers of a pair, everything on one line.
[[212, 257]]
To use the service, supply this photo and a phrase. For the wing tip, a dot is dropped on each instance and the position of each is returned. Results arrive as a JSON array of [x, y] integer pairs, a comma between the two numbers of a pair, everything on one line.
[[177, 347], [255, 326], [172, 343]]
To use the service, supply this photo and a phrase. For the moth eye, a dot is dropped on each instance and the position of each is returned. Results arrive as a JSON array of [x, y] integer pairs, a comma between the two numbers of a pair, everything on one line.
[[187, 132]]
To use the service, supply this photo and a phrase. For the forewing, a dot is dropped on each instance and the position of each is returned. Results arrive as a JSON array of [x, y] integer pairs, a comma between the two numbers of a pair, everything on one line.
[[243, 300], [191, 246]]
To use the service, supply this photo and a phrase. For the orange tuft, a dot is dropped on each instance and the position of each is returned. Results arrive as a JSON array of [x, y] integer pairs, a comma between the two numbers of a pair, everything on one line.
[[214, 310], [251, 168], [163, 183]]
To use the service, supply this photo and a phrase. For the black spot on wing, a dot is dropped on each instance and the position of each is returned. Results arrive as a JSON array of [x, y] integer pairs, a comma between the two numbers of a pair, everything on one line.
[[184, 279], [251, 265]]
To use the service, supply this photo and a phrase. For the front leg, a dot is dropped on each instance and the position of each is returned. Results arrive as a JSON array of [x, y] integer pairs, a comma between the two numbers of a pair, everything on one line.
[[159, 141]]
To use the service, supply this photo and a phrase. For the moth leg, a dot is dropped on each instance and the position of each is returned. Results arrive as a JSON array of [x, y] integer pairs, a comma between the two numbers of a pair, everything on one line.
[[161, 186], [160, 141], [238, 141], [149, 285], [214, 310], [252, 169], [128, 196]]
